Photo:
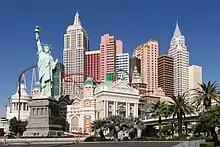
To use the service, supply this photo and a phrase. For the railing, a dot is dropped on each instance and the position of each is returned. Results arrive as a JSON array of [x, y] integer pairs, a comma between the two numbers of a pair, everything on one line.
[[193, 143]]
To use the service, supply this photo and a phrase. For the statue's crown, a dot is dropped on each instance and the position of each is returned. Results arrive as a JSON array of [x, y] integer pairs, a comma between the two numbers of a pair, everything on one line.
[[48, 45]]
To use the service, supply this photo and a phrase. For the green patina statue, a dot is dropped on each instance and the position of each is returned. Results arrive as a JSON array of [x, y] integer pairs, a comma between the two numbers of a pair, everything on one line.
[[45, 64]]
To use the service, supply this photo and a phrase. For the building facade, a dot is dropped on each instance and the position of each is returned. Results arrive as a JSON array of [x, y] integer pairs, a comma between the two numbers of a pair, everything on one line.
[[165, 74], [195, 76], [108, 98], [122, 65], [12, 109], [116, 98], [148, 54], [178, 50], [119, 47], [134, 62], [58, 77], [81, 113], [107, 55], [136, 82], [75, 45], [93, 64]]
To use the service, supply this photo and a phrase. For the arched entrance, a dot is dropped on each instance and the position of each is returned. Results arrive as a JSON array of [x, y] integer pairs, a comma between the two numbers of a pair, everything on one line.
[[74, 124]]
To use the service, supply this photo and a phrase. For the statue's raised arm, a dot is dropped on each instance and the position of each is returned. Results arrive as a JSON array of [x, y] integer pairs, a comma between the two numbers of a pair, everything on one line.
[[37, 34]]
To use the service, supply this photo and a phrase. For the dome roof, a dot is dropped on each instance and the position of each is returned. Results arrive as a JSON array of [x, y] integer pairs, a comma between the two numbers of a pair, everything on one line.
[[89, 82], [24, 93]]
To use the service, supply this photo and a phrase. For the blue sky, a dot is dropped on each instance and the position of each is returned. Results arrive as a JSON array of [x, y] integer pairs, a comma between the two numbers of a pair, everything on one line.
[[132, 21]]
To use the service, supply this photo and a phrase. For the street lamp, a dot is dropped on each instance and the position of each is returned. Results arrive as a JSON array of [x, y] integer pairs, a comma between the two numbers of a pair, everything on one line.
[[19, 95]]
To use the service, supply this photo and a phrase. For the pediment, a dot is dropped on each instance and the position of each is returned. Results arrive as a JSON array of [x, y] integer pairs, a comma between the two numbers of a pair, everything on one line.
[[121, 85]]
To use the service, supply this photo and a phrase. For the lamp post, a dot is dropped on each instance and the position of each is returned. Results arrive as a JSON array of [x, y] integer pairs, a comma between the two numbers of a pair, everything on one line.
[[19, 96]]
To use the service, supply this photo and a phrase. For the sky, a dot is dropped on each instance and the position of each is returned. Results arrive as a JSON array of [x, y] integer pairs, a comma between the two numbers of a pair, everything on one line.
[[132, 21]]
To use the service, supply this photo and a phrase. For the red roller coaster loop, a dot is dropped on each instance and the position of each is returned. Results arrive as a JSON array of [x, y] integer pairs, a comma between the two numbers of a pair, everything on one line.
[[67, 78]]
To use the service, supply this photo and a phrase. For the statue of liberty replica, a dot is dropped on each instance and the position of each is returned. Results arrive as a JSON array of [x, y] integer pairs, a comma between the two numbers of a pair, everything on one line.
[[46, 65], [44, 119]]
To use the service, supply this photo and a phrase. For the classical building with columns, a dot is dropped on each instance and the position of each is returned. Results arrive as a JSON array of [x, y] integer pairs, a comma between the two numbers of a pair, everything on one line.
[[13, 107], [108, 98], [116, 98]]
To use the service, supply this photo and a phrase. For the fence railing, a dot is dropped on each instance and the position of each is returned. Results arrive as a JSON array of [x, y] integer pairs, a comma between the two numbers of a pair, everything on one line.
[[193, 143]]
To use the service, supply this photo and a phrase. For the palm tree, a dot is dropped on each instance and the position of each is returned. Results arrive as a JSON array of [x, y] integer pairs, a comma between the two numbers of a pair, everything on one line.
[[210, 120], [98, 125], [159, 109], [205, 94], [179, 108]]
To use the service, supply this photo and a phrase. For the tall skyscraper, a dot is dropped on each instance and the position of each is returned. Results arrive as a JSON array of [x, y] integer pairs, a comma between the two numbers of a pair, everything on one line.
[[75, 45], [107, 55], [136, 82], [134, 61], [195, 76], [165, 74], [58, 77], [93, 64], [179, 52], [122, 63], [148, 54], [119, 47]]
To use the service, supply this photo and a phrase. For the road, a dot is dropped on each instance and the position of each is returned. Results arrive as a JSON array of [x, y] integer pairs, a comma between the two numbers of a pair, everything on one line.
[[121, 144]]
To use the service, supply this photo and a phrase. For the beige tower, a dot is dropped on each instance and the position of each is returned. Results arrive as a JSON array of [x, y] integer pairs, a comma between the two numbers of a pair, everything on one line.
[[148, 54], [75, 45]]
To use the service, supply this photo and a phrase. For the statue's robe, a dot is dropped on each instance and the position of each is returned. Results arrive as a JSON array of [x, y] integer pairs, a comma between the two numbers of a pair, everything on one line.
[[45, 67]]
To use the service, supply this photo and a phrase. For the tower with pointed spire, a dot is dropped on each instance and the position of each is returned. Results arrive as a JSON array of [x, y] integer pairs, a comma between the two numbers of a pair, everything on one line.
[[178, 50], [75, 45]]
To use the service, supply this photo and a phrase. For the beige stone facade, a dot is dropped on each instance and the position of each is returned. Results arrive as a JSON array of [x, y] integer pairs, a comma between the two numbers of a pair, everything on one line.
[[109, 98]]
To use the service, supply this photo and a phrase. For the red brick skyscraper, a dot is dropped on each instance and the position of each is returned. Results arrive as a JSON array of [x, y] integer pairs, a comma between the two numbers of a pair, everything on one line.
[[93, 64]]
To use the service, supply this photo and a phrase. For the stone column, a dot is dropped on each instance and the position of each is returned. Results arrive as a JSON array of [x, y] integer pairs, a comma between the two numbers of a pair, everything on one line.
[[104, 109], [129, 110], [136, 109], [134, 114], [107, 108], [116, 108], [126, 109], [22, 106]]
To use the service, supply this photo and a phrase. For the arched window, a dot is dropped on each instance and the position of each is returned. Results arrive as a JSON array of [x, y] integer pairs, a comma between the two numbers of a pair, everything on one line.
[[74, 123]]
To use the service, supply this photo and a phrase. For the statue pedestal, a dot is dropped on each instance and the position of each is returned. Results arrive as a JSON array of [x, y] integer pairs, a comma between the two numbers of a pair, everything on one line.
[[44, 119]]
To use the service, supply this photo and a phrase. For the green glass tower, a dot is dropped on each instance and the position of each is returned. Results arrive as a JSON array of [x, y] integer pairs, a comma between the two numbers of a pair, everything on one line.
[[58, 75]]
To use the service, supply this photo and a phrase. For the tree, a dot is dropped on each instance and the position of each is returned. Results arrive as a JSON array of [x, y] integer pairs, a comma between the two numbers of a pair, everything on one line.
[[17, 125], [180, 107], [204, 96], [118, 123], [99, 125], [159, 109], [209, 120]]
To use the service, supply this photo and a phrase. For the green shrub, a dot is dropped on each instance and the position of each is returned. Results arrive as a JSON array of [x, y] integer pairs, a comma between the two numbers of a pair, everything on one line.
[[207, 144]]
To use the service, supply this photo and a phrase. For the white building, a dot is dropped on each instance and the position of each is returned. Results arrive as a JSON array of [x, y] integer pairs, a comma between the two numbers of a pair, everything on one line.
[[12, 109], [108, 98], [122, 63], [75, 45], [116, 99], [195, 76], [178, 50]]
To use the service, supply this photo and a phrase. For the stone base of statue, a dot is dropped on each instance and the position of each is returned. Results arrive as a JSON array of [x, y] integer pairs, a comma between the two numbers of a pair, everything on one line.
[[44, 119]]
